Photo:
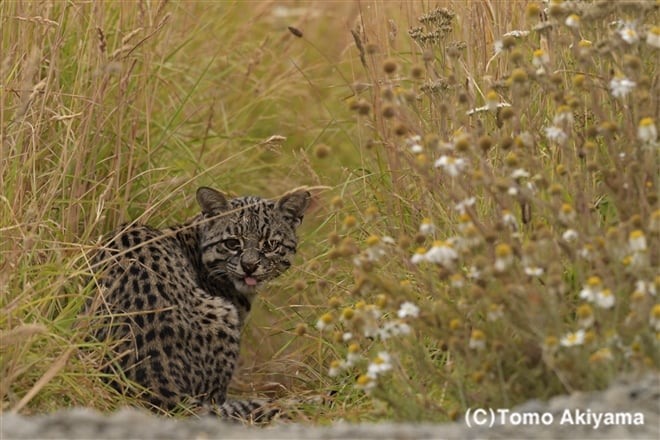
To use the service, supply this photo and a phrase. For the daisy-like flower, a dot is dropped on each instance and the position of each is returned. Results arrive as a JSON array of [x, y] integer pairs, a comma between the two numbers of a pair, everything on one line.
[[564, 116], [603, 354], [654, 318], [365, 383], [573, 339], [647, 131], [464, 204], [509, 220], [457, 281], [627, 32], [570, 235], [427, 227], [451, 165], [519, 173], [637, 241], [550, 344], [566, 213], [353, 356], [408, 309], [473, 273], [591, 288], [381, 364], [325, 321], [419, 256], [336, 367], [414, 144], [540, 58], [495, 312], [646, 287], [477, 340], [653, 37], [587, 252], [492, 100], [573, 21], [620, 86], [503, 257], [393, 328], [604, 299], [555, 134], [533, 271], [442, 253], [375, 249], [585, 315], [469, 237]]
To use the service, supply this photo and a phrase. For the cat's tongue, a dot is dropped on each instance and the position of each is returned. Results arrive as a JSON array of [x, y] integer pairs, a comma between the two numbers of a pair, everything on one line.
[[250, 281]]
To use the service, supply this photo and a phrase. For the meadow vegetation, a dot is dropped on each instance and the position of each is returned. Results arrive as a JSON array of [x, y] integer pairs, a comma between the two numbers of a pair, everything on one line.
[[485, 226]]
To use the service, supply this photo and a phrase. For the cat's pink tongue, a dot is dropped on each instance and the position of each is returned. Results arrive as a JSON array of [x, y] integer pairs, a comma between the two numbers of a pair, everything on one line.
[[250, 281]]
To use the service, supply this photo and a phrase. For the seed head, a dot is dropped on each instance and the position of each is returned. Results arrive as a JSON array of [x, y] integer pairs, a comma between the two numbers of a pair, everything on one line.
[[350, 221], [347, 314], [390, 66], [322, 151], [632, 62], [511, 159], [485, 142], [532, 10], [372, 48], [417, 71], [400, 129], [506, 113], [519, 76], [388, 111], [579, 80]]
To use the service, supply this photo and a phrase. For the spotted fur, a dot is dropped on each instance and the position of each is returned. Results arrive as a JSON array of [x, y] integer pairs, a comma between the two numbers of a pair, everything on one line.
[[176, 299]]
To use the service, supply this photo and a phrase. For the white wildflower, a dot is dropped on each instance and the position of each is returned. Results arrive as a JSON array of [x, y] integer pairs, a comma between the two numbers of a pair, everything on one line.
[[451, 165], [533, 271], [647, 131], [570, 235], [519, 173], [408, 309], [605, 299], [464, 204], [627, 32], [653, 37], [427, 227], [555, 134], [573, 339], [621, 86], [380, 364], [573, 21], [442, 253]]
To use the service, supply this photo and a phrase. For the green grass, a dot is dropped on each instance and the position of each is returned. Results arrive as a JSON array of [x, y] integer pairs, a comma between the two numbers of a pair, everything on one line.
[[118, 112]]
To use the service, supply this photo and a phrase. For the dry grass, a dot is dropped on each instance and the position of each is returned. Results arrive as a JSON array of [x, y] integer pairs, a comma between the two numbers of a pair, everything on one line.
[[120, 111]]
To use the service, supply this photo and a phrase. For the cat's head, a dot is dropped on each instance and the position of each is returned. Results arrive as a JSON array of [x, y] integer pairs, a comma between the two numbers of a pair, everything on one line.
[[249, 240]]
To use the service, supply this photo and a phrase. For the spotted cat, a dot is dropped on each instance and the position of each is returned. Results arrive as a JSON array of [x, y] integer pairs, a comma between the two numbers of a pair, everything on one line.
[[177, 298]]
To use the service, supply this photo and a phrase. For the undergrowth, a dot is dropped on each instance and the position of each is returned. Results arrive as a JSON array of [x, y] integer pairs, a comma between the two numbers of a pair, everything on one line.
[[491, 229]]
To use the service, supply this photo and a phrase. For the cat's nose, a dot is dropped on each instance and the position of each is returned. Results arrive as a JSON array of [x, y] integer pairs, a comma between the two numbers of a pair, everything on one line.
[[250, 262]]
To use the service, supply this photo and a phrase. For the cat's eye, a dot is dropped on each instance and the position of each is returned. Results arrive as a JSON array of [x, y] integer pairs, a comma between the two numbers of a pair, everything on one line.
[[232, 244], [269, 246]]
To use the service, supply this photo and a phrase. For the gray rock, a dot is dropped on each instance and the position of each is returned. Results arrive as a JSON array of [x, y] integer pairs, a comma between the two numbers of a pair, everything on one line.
[[629, 409]]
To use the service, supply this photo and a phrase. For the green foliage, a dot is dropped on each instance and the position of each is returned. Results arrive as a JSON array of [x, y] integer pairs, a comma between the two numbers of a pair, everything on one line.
[[491, 232]]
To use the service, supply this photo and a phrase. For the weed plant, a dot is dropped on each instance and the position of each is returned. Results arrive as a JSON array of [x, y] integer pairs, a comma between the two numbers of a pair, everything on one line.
[[491, 230]]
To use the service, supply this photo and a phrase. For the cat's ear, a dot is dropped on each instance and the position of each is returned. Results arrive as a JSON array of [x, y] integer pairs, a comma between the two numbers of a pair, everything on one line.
[[211, 201], [293, 205]]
